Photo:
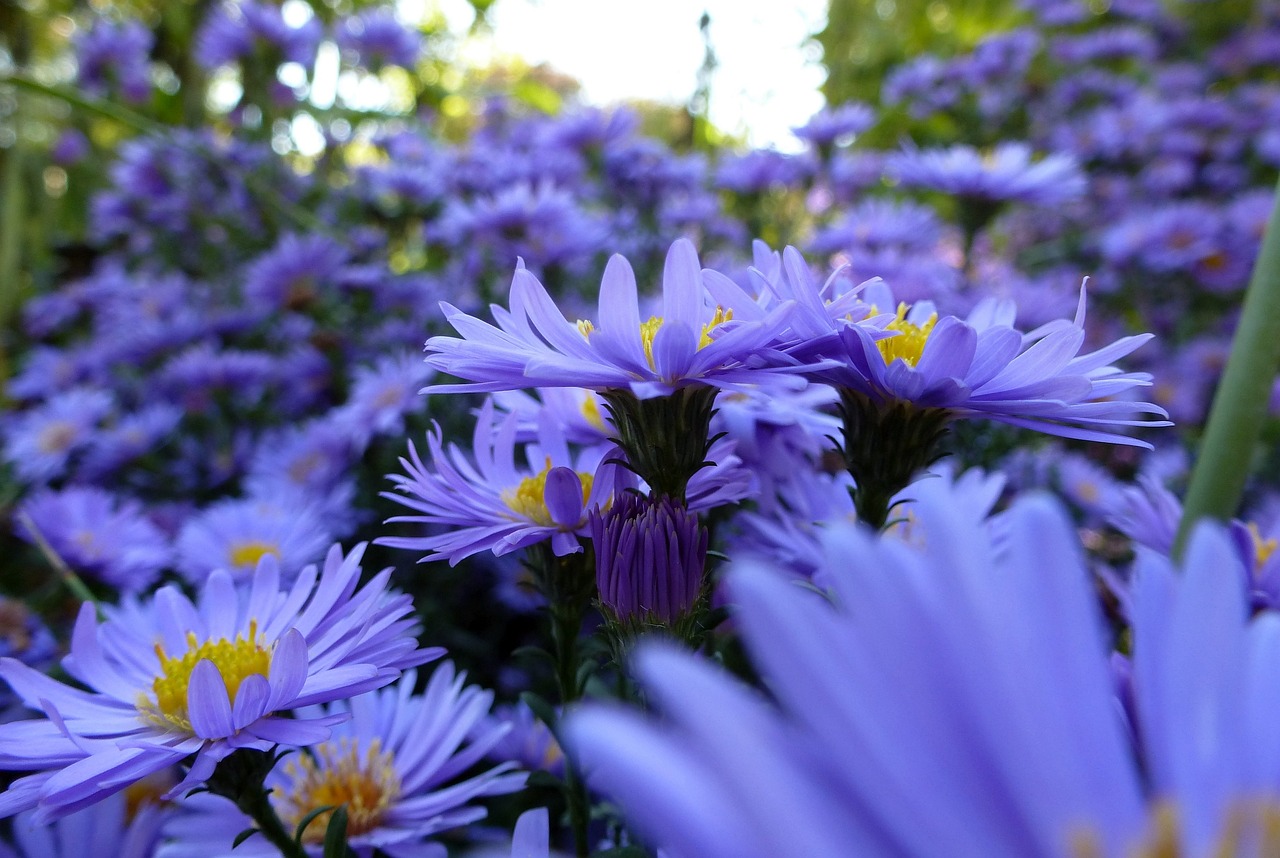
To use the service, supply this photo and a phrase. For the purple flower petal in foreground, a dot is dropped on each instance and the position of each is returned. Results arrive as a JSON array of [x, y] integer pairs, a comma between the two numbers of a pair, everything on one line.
[[957, 698]]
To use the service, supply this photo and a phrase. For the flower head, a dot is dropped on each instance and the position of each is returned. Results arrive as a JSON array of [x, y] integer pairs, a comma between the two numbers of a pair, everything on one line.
[[403, 765], [169, 678], [693, 343], [488, 503]]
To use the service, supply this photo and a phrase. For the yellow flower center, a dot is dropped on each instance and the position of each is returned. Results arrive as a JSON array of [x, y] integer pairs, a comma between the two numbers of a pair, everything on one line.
[[529, 499], [908, 345], [649, 330], [337, 774], [1262, 548], [1250, 827], [56, 437], [250, 551], [591, 411], [235, 660]]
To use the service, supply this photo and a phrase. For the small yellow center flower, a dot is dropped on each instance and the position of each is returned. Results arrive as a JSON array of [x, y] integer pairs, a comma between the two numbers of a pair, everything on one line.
[[249, 551], [235, 660], [57, 437], [338, 775], [909, 344], [528, 499]]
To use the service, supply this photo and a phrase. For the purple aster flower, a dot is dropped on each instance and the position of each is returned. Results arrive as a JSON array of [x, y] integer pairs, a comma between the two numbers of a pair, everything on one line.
[[40, 442], [169, 678], [113, 57], [403, 765], [962, 695], [828, 126], [382, 396], [377, 38], [234, 32], [127, 828], [100, 534], [690, 344], [1005, 174], [233, 535], [294, 273], [129, 438], [650, 562], [527, 740], [982, 366], [489, 503]]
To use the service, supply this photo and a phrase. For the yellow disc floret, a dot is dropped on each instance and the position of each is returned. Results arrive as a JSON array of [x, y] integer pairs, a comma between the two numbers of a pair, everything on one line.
[[235, 660], [336, 775], [248, 552], [528, 499], [722, 315], [908, 345], [1262, 548], [591, 411], [649, 330]]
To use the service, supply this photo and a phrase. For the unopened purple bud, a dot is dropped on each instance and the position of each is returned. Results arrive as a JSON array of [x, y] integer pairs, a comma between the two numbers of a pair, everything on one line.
[[650, 559]]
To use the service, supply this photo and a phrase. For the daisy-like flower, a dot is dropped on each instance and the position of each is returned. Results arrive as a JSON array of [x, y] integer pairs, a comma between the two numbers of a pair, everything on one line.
[[402, 764], [1007, 173], [170, 679], [100, 534], [693, 343], [902, 378], [131, 827], [489, 503], [659, 377], [233, 535], [957, 697], [40, 443]]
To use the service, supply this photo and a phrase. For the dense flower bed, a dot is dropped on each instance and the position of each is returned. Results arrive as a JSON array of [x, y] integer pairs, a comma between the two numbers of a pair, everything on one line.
[[815, 502]]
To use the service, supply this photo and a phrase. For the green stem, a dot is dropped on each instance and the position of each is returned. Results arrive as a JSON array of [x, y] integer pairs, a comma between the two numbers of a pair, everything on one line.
[[240, 777], [11, 226], [72, 581], [1241, 402]]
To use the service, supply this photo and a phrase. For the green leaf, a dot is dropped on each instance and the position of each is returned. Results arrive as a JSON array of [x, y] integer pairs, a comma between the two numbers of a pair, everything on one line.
[[535, 653], [335, 837], [243, 836], [307, 820], [543, 779]]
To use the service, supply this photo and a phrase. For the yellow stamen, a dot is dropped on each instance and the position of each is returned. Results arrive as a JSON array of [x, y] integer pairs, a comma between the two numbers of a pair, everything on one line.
[[235, 660], [649, 330], [250, 551], [909, 344], [722, 315], [334, 775], [528, 500], [1262, 548]]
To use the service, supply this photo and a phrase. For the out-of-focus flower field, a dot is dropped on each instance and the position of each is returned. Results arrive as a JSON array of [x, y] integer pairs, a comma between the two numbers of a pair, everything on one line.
[[405, 458]]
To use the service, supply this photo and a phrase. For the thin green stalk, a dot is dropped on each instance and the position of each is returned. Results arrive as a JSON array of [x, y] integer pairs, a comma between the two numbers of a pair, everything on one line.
[[11, 226], [1241, 402], [72, 581]]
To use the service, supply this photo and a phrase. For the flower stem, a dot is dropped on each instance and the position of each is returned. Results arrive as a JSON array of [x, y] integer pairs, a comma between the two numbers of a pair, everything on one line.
[[241, 777], [1241, 402]]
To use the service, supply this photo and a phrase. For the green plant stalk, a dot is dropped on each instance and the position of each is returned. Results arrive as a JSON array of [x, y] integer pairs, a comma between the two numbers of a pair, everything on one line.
[[72, 581], [11, 224], [1241, 402]]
